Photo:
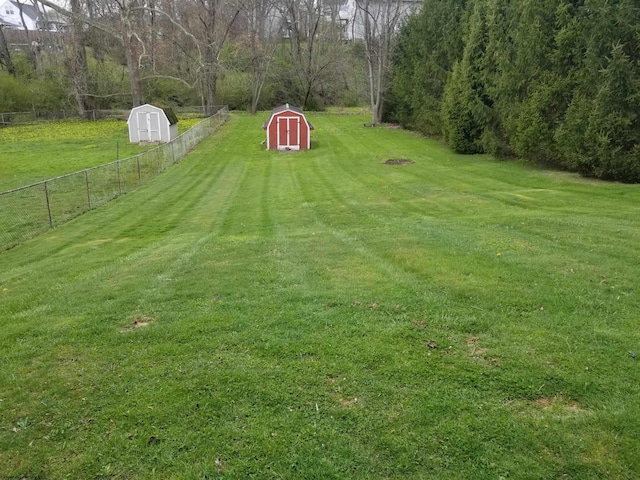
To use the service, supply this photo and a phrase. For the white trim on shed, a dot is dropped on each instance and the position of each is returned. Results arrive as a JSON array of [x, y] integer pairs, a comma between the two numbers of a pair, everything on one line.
[[288, 129]]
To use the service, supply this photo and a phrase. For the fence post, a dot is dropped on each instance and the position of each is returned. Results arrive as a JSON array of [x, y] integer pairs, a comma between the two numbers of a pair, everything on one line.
[[46, 195], [183, 144], [119, 180], [173, 153], [86, 179]]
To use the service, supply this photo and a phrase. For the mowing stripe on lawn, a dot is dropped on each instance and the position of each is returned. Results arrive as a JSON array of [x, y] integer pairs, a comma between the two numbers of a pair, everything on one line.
[[323, 315]]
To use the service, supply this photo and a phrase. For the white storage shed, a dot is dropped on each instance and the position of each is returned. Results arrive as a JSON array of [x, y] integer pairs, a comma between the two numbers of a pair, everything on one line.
[[148, 123]]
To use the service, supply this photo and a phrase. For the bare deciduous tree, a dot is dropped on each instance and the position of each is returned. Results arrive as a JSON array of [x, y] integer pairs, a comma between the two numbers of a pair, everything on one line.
[[206, 25], [34, 44], [5, 56], [76, 60], [263, 33], [126, 35], [379, 19], [314, 38], [131, 23]]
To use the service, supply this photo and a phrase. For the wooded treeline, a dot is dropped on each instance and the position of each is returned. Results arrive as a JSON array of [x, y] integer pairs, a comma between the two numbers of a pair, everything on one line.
[[556, 81], [248, 54]]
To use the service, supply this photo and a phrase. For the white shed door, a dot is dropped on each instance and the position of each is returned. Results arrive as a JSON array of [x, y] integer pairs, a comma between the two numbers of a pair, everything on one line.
[[154, 126], [149, 126]]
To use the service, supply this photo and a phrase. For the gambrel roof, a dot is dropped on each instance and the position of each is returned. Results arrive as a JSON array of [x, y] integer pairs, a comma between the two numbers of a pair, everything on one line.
[[286, 108]]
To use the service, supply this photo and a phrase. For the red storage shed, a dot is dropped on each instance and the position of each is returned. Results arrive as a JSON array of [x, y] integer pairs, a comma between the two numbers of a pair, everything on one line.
[[288, 129]]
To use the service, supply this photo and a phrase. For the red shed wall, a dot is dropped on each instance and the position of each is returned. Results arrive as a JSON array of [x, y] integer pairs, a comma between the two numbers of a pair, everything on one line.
[[272, 129]]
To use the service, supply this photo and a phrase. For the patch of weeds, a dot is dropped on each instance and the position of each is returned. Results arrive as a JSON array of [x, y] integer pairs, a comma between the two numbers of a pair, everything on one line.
[[399, 161], [557, 406], [478, 353]]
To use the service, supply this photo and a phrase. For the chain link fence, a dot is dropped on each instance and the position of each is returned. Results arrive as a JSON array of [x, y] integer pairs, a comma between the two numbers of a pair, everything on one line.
[[33, 117], [28, 211]]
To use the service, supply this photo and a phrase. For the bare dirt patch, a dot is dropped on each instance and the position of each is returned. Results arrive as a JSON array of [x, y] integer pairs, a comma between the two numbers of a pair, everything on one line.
[[474, 348], [399, 161], [478, 353], [559, 403], [555, 406], [139, 321], [347, 402]]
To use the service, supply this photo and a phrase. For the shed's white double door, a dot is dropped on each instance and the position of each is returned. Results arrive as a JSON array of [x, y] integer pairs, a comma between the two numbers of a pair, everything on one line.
[[149, 126]]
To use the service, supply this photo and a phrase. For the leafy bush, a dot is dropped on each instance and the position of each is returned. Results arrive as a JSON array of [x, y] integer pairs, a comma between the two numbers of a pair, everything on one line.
[[234, 90], [14, 96], [169, 91]]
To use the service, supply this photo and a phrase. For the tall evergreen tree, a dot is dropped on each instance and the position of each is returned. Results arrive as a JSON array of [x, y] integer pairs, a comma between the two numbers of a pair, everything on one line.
[[556, 81], [466, 104], [428, 46]]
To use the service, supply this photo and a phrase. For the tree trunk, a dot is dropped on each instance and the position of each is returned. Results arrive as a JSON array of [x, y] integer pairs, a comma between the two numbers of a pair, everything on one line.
[[263, 47], [34, 46], [212, 84], [137, 97], [77, 62], [380, 20], [5, 56], [36, 52], [130, 43], [211, 58], [213, 19]]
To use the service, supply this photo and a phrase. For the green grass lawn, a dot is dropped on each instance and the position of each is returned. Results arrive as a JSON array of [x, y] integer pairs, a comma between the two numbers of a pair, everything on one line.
[[32, 153], [252, 314]]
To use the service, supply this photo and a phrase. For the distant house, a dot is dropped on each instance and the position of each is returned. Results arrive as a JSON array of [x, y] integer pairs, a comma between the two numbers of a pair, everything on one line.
[[343, 12], [32, 15], [353, 21]]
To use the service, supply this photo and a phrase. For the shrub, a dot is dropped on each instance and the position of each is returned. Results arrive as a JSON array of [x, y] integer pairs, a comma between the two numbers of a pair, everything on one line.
[[14, 95]]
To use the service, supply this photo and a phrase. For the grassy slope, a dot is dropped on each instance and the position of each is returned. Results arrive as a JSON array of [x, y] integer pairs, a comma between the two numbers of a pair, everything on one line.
[[292, 303], [32, 153]]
